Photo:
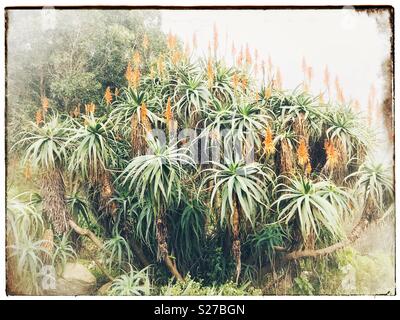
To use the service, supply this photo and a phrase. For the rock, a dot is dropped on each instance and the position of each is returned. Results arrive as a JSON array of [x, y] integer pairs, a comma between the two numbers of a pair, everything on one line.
[[76, 280], [104, 288]]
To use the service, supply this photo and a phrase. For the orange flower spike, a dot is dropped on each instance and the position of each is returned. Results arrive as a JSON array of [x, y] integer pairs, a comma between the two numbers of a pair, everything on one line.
[[143, 111], [108, 96], [45, 104], [128, 73], [194, 41], [28, 172], [267, 92], [240, 57], [248, 55], [269, 142], [331, 153], [77, 111], [321, 99], [215, 36], [356, 105], [244, 83], [326, 77], [302, 153], [279, 79], [168, 111], [210, 73], [90, 108], [39, 117], [309, 73], [136, 58], [235, 80], [143, 117], [135, 78], [304, 65], [187, 50], [270, 64], [116, 92], [145, 42], [160, 65], [176, 57], [171, 41], [308, 168]]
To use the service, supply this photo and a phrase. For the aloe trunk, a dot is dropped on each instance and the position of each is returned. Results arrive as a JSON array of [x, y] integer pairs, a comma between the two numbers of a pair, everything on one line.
[[161, 233], [236, 240], [54, 204]]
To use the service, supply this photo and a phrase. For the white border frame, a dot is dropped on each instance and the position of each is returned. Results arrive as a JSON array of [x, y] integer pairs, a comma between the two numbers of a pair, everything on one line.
[[47, 3]]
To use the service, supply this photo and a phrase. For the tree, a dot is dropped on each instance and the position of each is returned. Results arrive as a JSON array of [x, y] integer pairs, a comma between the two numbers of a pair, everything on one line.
[[244, 190], [46, 152], [157, 178]]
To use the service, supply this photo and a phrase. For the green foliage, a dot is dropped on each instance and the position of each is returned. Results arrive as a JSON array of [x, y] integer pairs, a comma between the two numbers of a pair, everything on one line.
[[248, 182], [63, 251], [190, 287], [314, 205], [344, 125], [28, 255], [187, 223], [191, 95], [92, 148], [262, 243], [45, 144], [25, 219], [375, 184], [157, 176], [117, 252], [132, 283], [303, 286]]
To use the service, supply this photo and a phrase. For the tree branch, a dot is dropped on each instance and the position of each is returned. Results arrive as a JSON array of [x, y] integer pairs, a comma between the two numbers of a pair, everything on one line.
[[353, 236], [86, 233]]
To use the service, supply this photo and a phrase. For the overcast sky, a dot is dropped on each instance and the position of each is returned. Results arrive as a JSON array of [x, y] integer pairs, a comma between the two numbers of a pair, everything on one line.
[[351, 44]]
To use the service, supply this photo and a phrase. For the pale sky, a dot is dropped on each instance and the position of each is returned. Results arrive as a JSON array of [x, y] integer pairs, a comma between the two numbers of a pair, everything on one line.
[[349, 43]]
